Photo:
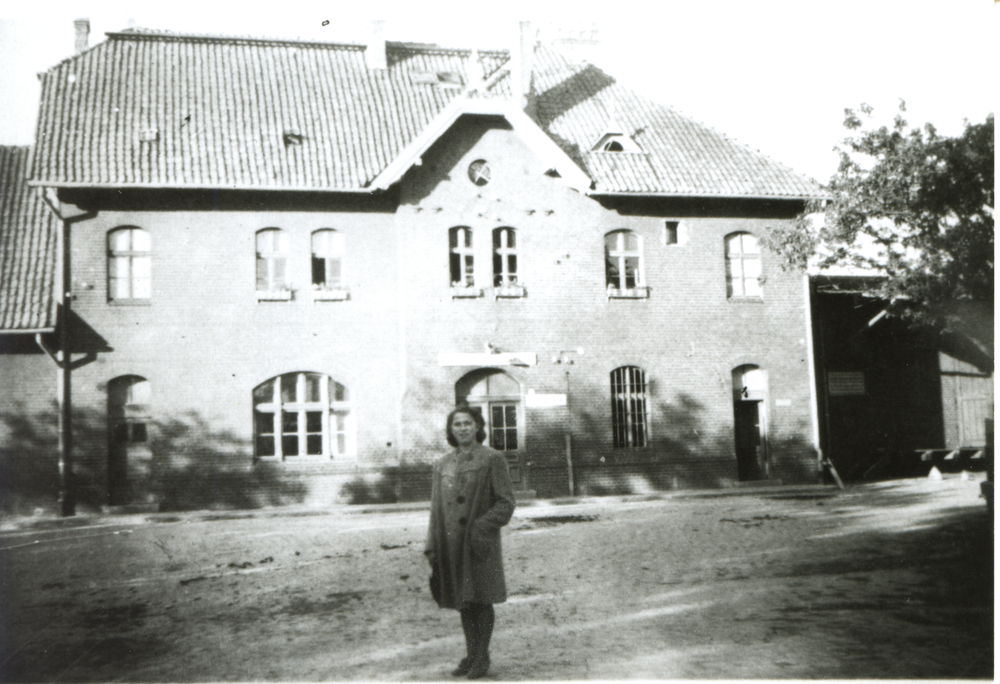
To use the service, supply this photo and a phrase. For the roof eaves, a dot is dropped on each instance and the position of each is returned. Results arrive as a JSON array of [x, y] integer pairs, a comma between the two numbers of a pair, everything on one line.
[[702, 195], [191, 186], [25, 331]]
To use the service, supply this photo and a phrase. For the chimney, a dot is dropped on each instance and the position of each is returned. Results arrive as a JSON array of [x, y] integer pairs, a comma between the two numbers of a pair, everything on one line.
[[82, 29], [580, 41], [375, 52], [523, 57]]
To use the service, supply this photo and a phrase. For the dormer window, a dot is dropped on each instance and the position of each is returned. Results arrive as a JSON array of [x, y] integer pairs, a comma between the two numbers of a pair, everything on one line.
[[616, 142]]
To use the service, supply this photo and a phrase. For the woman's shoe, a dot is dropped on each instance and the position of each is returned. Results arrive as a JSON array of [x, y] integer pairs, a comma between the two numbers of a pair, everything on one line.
[[463, 668], [480, 666]]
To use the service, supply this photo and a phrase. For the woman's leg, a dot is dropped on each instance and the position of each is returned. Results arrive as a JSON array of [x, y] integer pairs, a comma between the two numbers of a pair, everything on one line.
[[483, 619], [469, 628]]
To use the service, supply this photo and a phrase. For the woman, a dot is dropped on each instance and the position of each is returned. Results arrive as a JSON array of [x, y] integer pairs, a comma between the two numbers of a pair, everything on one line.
[[471, 499]]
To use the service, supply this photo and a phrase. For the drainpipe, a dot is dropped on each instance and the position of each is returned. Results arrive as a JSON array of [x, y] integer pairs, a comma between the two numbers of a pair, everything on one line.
[[67, 498], [811, 362], [569, 441]]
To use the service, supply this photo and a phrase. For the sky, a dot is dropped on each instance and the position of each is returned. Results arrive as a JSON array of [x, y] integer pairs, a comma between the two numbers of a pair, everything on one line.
[[775, 75]]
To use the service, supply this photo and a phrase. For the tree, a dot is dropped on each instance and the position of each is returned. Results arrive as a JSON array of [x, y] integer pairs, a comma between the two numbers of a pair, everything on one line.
[[914, 210]]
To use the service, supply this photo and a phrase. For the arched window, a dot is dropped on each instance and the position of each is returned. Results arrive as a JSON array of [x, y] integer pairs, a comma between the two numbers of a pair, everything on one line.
[[498, 397], [742, 266], [327, 257], [504, 257], [461, 261], [129, 264], [629, 407], [623, 260], [272, 260], [302, 415]]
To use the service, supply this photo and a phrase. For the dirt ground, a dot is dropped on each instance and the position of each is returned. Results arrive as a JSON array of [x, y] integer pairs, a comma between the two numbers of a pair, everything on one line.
[[886, 580]]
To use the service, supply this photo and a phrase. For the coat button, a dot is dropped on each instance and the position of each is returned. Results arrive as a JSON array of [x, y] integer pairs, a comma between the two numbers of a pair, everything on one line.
[[461, 499], [462, 521]]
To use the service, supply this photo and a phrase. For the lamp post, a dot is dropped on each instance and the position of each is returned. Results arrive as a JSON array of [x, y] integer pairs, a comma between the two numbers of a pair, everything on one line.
[[564, 358]]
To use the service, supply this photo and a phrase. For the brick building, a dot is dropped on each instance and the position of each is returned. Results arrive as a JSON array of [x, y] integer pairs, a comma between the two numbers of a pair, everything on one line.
[[287, 261]]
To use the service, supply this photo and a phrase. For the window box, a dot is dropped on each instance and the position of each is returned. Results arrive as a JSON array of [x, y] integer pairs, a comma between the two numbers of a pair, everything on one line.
[[274, 295], [338, 294], [465, 292], [510, 291], [641, 292]]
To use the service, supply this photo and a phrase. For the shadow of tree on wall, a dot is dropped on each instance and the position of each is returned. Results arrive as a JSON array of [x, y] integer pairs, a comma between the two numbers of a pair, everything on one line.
[[690, 446], [407, 481], [685, 450], [196, 466], [193, 466]]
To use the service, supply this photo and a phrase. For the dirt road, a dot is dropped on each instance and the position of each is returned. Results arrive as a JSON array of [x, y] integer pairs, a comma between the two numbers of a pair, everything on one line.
[[890, 580]]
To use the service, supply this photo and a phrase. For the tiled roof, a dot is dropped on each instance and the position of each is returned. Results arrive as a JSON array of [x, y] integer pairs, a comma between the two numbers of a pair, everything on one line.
[[577, 103], [28, 233], [163, 110]]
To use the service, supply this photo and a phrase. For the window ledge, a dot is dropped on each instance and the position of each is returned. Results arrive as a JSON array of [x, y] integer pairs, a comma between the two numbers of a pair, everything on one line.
[[509, 292], [274, 295], [736, 299], [465, 292], [338, 463], [631, 293], [334, 295], [130, 302]]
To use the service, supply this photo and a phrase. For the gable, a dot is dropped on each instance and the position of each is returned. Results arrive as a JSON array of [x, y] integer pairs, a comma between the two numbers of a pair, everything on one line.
[[478, 158]]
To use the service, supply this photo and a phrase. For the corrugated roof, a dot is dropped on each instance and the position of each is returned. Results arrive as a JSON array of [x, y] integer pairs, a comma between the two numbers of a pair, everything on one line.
[[162, 110], [28, 234]]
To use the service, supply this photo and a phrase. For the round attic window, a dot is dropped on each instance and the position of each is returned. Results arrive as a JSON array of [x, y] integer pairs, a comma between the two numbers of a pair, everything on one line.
[[479, 172]]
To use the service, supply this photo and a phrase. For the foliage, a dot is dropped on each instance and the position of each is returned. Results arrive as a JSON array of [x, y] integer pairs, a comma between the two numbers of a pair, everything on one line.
[[914, 208]]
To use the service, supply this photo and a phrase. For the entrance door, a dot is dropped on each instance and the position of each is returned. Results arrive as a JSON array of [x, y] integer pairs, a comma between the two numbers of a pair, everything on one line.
[[129, 456], [750, 423], [748, 442], [498, 397]]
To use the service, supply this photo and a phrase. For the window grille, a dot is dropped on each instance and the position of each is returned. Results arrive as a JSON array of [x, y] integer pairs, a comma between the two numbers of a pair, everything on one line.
[[629, 408]]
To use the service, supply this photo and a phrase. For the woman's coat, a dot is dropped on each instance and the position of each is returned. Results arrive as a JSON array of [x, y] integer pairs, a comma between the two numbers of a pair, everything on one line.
[[471, 499]]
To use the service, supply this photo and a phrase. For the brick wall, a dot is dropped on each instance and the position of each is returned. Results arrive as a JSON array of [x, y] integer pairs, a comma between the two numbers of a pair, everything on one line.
[[204, 342]]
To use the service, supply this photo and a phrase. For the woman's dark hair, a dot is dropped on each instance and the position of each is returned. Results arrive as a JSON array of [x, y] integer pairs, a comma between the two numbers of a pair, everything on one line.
[[477, 415]]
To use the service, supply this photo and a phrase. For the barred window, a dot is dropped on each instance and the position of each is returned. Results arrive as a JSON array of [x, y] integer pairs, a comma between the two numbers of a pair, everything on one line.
[[129, 264], [629, 408], [302, 415], [742, 266]]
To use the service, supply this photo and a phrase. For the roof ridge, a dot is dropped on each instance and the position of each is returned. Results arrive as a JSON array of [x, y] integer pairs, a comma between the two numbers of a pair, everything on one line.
[[162, 34], [143, 33]]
